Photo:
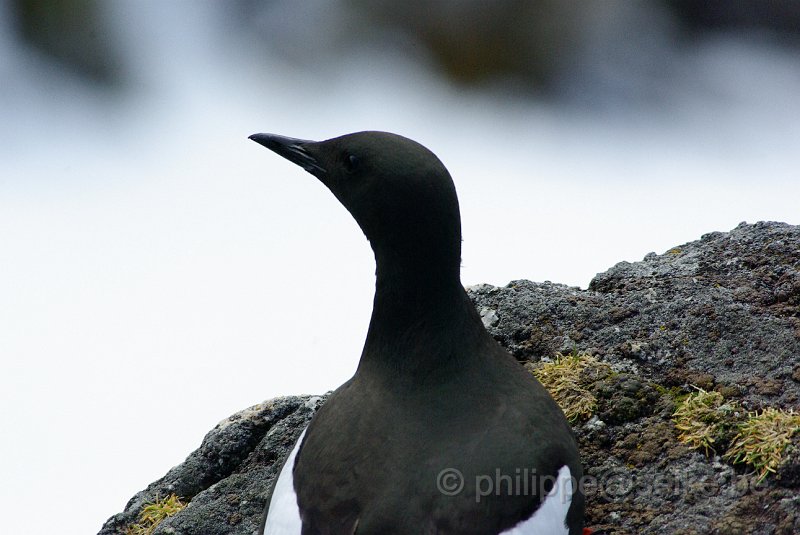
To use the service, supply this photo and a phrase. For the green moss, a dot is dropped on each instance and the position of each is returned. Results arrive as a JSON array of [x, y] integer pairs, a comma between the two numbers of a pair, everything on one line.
[[153, 513], [676, 393], [567, 379], [762, 439], [702, 418], [706, 421]]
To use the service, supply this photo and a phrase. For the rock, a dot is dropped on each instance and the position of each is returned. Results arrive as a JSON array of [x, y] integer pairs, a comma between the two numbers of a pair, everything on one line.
[[720, 313], [675, 314], [228, 477]]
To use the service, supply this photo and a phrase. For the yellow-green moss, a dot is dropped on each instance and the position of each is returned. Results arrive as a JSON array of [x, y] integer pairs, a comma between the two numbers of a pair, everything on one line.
[[153, 513], [700, 419], [762, 438], [567, 379], [675, 393]]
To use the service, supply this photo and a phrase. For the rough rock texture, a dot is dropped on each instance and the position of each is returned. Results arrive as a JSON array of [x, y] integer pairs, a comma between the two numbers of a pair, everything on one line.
[[228, 477], [724, 309], [720, 313]]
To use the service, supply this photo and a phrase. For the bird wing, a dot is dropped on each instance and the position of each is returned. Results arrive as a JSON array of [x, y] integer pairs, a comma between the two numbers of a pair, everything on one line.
[[283, 515], [551, 516]]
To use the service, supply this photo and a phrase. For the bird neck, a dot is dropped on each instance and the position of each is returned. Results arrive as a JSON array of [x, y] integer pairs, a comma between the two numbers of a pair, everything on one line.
[[422, 319]]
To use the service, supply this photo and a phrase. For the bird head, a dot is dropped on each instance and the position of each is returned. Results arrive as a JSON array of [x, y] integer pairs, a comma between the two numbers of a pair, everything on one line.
[[398, 191]]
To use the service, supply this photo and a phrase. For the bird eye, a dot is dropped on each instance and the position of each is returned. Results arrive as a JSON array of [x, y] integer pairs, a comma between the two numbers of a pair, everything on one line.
[[351, 162]]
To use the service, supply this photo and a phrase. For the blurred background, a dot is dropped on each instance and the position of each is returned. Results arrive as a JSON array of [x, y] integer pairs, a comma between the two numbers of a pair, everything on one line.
[[158, 271]]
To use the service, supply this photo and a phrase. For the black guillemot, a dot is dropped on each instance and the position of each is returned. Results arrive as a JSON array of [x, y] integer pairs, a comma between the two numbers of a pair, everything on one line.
[[440, 431]]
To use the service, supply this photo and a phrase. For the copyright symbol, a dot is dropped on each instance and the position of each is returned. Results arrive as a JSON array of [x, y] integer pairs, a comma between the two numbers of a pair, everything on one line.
[[616, 483], [450, 481]]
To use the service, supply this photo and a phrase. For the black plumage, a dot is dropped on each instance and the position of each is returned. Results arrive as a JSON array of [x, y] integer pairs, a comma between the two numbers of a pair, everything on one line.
[[433, 390]]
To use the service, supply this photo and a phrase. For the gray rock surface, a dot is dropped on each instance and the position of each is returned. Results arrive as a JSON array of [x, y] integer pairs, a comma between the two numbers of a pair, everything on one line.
[[719, 313], [228, 477], [727, 306]]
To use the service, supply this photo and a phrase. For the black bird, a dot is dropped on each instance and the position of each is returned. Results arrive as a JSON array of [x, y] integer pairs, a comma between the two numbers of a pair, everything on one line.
[[440, 431]]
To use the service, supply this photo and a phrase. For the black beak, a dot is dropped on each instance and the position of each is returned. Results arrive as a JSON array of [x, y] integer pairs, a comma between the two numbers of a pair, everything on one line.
[[294, 150]]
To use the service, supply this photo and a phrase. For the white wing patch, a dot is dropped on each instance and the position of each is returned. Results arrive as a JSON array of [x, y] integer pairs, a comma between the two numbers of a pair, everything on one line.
[[283, 517], [551, 517]]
